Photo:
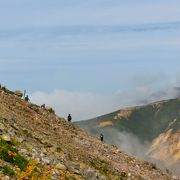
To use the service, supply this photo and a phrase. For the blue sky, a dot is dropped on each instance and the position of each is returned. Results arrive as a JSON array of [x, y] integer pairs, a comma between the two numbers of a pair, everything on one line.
[[90, 49]]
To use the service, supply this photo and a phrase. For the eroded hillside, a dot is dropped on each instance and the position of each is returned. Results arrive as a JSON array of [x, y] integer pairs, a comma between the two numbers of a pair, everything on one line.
[[166, 148]]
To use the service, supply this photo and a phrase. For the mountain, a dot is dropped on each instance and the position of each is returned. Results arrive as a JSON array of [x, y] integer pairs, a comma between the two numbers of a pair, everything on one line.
[[37, 144], [150, 132]]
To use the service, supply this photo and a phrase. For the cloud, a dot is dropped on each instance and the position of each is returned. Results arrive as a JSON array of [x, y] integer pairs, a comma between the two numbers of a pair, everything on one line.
[[61, 30], [86, 105], [21, 13], [81, 105], [148, 79], [128, 142]]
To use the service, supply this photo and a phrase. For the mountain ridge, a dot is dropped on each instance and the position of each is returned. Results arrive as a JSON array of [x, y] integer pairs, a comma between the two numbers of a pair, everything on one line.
[[143, 125]]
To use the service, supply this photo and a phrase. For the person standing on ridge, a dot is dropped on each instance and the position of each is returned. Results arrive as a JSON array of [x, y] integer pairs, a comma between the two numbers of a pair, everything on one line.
[[101, 137], [43, 106], [69, 118], [26, 98]]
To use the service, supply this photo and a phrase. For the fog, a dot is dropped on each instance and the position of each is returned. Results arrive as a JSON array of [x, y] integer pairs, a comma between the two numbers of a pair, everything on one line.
[[86, 105], [132, 145]]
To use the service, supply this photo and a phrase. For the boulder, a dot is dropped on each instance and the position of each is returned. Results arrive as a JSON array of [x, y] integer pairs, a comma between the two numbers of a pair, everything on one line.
[[18, 93], [34, 107], [45, 160], [60, 166], [92, 174], [50, 109], [2, 127], [6, 137]]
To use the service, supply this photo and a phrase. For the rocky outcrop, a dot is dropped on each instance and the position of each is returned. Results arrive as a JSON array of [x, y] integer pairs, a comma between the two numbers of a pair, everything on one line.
[[18, 93], [166, 149]]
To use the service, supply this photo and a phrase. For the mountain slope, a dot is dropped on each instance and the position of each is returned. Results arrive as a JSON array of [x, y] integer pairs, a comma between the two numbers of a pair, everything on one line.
[[143, 126], [51, 148], [146, 122], [166, 148]]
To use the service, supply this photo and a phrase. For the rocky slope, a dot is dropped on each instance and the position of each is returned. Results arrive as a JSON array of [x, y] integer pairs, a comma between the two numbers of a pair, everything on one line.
[[154, 130], [37, 144], [166, 148]]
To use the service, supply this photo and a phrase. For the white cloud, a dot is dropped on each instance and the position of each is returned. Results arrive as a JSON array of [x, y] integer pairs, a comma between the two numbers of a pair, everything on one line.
[[80, 105], [20, 13], [85, 105]]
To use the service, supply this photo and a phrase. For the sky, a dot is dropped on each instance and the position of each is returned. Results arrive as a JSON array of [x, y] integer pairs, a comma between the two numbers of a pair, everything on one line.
[[91, 57]]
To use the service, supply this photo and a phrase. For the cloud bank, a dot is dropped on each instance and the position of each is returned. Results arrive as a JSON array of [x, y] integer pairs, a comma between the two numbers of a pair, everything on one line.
[[86, 105]]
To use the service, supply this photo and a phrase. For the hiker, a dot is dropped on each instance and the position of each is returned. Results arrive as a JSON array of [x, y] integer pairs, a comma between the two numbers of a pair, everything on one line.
[[0, 85], [43, 106], [101, 137], [26, 98], [69, 118]]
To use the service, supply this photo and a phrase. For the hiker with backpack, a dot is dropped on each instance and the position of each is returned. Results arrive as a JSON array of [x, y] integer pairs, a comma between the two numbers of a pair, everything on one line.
[[101, 137], [26, 98], [69, 118]]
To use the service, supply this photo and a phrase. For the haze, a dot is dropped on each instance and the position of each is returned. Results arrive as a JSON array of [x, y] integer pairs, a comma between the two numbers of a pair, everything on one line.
[[91, 57]]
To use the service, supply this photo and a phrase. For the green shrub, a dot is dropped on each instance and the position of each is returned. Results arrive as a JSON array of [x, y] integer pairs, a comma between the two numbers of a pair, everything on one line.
[[11, 155], [8, 171]]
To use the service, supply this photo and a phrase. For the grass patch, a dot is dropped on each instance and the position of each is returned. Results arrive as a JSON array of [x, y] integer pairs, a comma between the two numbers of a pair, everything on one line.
[[101, 165], [11, 155], [8, 171], [29, 169]]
